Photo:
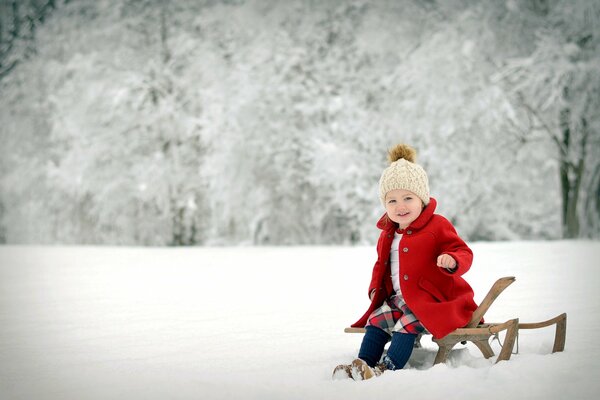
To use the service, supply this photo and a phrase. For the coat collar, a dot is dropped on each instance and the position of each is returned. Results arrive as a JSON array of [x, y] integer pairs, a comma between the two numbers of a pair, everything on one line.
[[386, 224]]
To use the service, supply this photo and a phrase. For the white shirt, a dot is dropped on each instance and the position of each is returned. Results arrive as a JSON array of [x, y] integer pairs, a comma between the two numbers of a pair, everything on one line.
[[395, 263]]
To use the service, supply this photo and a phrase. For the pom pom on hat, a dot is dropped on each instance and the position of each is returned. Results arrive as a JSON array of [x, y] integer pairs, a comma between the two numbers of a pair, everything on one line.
[[402, 151], [404, 173]]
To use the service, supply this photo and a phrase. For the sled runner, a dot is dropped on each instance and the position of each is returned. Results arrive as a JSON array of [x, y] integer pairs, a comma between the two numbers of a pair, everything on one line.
[[479, 333]]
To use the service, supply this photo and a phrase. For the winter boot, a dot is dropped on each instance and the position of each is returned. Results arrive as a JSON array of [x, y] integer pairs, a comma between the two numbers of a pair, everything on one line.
[[342, 371], [361, 371]]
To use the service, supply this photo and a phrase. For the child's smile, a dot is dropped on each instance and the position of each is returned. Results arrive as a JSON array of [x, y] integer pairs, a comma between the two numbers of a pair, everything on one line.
[[403, 206]]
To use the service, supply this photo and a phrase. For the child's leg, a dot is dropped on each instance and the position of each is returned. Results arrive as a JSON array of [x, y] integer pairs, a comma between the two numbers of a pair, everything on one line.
[[372, 345], [399, 351]]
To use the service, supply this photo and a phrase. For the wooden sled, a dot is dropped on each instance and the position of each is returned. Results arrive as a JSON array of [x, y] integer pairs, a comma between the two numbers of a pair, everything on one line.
[[479, 334]]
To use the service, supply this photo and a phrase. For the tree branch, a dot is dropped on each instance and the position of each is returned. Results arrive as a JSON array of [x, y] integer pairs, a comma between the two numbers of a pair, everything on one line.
[[545, 125]]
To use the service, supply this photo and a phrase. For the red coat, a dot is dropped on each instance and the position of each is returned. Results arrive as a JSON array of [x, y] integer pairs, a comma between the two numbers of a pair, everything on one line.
[[441, 300]]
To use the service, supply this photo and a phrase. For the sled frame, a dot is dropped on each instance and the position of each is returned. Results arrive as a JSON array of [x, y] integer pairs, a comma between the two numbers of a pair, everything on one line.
[[480, 333]]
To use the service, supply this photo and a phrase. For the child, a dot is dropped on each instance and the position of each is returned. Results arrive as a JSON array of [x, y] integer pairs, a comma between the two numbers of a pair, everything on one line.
[[416, 283]]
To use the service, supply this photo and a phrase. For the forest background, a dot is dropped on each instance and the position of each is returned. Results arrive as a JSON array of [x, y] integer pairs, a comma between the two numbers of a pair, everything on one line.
[[145, 122]]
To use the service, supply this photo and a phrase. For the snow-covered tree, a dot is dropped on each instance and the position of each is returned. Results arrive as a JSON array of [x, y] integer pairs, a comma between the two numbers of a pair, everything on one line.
[[19, 20], [556, 86], [267, 122]]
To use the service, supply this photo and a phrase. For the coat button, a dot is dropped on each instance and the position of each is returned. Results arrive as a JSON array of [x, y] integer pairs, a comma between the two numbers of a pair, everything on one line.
[[405, 277], [408, 232], [405, 249]]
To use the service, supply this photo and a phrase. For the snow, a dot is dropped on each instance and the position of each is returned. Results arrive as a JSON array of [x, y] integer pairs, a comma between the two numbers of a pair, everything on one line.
[[267, 323]]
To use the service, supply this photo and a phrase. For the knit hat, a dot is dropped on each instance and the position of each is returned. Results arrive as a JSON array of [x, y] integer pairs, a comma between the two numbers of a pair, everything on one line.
[[404, 173]]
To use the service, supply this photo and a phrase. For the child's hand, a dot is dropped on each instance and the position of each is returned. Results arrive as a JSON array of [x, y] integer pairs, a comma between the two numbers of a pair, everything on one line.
[[446, 261]]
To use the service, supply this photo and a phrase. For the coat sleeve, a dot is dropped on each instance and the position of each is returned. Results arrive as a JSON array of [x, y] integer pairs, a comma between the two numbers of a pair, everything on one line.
[[374, 278], [450, 243], [377, 270]]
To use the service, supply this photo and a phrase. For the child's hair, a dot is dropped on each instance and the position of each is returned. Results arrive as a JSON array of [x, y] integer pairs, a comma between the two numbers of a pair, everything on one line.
[[404, 173]]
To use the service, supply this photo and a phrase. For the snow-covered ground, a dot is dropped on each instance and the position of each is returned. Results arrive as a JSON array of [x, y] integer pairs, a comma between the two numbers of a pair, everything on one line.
[[267, 323]]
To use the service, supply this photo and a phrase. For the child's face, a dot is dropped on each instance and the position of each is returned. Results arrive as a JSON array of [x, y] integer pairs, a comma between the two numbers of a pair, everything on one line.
[[402, 206]]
